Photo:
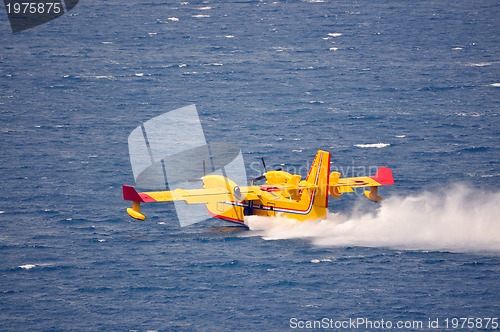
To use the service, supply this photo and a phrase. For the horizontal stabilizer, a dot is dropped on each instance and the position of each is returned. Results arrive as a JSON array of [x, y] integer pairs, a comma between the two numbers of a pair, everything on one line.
[[383, 177]]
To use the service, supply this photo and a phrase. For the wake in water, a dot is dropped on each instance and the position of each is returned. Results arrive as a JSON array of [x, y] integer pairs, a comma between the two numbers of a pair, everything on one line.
[[459, 219]]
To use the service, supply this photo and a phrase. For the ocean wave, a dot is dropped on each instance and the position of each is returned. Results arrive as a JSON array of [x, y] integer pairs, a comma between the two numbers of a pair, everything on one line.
[[472, 114], [480, 64], [27, 266], [32, 266], [372, 145], [100, 77]]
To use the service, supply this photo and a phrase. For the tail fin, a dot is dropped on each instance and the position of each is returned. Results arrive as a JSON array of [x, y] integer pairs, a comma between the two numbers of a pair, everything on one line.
[[384, 176], [319, 175]]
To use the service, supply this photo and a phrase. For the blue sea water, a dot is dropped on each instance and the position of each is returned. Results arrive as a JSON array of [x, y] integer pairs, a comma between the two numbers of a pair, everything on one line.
[[410, 85]]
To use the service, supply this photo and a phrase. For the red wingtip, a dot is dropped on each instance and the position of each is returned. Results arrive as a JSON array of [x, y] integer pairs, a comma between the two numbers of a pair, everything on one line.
[[130, 194], [384, 176]]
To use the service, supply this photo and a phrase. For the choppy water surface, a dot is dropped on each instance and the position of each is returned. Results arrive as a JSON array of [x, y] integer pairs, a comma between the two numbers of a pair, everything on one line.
[[410, 86]]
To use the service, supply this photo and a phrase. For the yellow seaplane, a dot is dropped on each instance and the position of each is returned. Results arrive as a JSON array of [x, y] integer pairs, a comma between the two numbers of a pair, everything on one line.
[[282, 194]]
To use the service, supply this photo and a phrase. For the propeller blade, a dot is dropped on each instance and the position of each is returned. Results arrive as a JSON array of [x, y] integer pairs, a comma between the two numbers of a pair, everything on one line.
[[263, 164], [262, 177]]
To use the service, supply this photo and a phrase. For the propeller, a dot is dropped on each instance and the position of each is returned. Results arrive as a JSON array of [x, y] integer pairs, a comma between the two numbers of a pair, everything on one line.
[[263, 176]]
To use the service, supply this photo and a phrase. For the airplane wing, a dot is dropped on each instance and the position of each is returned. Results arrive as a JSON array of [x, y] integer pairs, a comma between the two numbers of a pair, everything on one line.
[[383, 177], [190, 196], [216, 189]]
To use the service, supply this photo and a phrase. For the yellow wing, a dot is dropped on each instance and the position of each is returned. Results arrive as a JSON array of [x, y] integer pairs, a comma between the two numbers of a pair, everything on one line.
[[216, 189], [345, 185]]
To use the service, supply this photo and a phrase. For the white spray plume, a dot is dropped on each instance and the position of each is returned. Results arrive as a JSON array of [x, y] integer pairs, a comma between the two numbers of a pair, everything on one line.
[[459, 219]]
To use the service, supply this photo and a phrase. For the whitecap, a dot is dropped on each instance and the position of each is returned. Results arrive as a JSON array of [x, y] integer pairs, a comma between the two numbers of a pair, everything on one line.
[[400, 136], [333, 48], [200, 16], [480, 64], [472, 114], [457, 48], [139, 74], [2, 212], [496, 85], [229, 36], [372, 145], [173, 19], [324, 260], [205, 8], [335, 34], [27, 266], [108, 77]]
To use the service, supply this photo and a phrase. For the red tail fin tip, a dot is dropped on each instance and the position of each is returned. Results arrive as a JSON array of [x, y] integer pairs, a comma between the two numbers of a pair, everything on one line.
[[130, 194], [384, 176]]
